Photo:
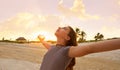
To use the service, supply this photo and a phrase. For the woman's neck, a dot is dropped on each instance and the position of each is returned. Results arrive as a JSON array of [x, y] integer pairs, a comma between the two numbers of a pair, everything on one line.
[[60, 42]]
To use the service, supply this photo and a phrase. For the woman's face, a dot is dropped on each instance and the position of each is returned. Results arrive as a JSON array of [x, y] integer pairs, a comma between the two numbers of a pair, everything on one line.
[[62, 32]]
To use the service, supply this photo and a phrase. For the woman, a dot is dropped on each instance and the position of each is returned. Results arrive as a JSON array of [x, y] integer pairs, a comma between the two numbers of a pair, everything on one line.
[[62, 55]]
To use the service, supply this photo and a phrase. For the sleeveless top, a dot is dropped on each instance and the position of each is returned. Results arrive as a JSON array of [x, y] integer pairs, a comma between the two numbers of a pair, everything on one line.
[[56, 58]]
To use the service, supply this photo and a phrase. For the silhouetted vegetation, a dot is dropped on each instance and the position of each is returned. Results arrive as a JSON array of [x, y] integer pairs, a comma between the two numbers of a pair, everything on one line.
[[99, 37], [3, 39], [80, 35], [21, 40], [80, 38], [113, 38]]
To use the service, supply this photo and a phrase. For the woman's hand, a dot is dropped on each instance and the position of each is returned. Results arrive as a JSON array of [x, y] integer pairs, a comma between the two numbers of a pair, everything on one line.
[[41, 38]]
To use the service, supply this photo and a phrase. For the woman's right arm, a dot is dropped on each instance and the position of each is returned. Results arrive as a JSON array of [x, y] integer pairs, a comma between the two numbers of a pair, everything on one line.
[[46, 44]]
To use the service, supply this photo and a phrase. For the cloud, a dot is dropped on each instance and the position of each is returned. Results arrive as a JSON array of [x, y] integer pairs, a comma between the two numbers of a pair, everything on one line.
[[119, 2], [77, 10], [114, 18], [110, 32], [27, 24]]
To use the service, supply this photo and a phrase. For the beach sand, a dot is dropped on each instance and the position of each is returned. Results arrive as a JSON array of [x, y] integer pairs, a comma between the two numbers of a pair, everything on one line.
[[29, 57], [14, 64]]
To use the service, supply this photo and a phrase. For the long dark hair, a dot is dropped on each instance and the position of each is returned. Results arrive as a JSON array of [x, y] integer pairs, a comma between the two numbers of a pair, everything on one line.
[[71, 42]]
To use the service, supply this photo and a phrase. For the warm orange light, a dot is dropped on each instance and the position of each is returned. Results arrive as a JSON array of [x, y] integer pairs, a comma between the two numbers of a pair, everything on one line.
[[119, 2], [43, 34]]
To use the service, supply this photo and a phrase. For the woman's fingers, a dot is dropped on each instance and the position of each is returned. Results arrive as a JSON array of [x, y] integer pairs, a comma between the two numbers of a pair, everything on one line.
[[41, 37]]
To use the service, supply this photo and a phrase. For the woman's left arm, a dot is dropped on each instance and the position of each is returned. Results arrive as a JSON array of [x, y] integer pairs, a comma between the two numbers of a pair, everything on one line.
[[100, 46]]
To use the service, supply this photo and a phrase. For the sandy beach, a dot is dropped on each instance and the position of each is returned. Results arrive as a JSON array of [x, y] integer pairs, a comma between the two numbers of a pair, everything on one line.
[[29, 57]]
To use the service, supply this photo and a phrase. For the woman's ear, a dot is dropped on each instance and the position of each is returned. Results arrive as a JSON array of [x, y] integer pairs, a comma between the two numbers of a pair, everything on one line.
[[67, 38]]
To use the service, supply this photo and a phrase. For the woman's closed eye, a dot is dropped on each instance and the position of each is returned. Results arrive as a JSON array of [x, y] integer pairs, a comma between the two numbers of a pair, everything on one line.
[[64, 28]]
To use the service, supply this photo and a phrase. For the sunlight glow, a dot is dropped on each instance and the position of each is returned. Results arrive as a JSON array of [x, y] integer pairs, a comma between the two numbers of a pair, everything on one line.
[[42, 18], [46, 34], [25, 15]]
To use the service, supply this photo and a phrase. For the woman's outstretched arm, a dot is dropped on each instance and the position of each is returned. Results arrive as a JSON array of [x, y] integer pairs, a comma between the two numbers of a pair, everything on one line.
[[46, 44], [100, 46]]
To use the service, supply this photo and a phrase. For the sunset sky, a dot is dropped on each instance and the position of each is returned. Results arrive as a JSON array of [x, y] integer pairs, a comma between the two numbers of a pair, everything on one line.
[[29, 18]]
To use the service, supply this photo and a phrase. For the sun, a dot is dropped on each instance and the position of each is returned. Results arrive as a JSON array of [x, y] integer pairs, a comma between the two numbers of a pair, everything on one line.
[[46, 34]]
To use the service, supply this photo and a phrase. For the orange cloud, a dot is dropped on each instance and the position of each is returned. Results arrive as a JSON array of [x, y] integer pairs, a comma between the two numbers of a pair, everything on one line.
[[77, 10], [118, 2]]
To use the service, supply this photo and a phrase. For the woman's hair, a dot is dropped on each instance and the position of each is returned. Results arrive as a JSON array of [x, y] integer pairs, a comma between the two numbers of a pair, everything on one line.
[[71, 42]]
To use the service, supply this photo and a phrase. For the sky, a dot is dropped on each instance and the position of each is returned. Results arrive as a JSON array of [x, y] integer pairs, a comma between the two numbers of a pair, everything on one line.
[[29, 18]]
